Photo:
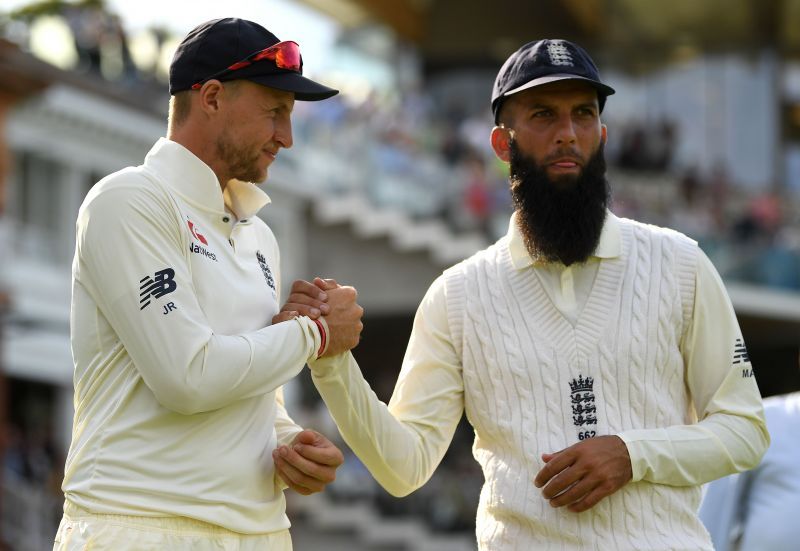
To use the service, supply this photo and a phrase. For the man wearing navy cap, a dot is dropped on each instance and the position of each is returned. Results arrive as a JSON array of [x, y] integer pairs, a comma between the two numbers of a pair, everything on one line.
[[180, 438], [598, 359]]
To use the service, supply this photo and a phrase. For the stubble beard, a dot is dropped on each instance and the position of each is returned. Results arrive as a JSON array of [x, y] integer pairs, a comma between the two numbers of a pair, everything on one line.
[[241, 162], [560, 219]]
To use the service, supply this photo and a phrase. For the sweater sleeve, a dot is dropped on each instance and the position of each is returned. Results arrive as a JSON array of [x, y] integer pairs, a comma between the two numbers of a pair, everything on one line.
[[401, 444], [731, 435], [130, 253]]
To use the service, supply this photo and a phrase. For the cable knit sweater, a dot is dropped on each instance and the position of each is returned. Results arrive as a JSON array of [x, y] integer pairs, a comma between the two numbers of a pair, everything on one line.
[[533, 383], [641, 341]]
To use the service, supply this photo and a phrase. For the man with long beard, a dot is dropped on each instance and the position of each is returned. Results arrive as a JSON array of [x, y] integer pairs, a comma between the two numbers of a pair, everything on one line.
[[599, 360], [180, 438]]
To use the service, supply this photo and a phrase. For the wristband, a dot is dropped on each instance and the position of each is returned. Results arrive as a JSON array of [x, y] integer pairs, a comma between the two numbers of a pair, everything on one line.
[[323, 336]]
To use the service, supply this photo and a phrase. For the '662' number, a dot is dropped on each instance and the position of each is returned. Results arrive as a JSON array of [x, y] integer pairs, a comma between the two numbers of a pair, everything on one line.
[[586, 434]]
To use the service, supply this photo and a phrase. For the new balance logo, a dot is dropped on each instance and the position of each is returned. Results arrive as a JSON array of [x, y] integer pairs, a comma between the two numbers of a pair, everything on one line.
[[740, 354], [162, 283]]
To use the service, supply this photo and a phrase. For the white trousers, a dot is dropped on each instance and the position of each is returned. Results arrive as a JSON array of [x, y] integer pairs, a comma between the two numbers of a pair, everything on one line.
[[81, 530]]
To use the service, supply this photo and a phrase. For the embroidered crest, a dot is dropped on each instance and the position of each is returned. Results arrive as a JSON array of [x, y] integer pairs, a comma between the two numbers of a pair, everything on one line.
[[584, 410], [559, 54], [265, 270]]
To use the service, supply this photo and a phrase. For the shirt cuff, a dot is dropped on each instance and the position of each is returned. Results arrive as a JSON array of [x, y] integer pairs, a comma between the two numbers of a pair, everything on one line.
[[315, 333], [637, 441], [322, 368], [324, 335]]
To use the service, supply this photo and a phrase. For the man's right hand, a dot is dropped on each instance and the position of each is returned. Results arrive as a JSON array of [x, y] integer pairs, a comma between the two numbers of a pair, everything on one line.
[[338, 305], [344, 320]]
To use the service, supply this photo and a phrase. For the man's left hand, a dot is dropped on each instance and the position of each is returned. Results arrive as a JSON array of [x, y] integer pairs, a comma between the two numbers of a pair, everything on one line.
[[309, 463], [581, 475]]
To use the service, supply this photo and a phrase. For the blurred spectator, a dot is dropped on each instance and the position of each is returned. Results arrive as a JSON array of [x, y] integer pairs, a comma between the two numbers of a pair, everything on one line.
[[660, 145], [690, 213], [644, 148], [633, 152], [719, 186], [760, 220], [477, 194]]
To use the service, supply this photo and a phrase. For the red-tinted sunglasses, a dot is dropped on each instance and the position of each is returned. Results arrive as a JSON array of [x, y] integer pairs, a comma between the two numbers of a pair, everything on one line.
[[286, 55]]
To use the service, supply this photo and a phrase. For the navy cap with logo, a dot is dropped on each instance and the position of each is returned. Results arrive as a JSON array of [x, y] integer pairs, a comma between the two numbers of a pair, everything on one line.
[[544, 61], [231, 49]]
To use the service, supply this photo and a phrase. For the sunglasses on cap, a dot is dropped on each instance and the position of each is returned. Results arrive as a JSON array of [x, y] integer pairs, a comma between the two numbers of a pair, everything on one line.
[[286, 55]]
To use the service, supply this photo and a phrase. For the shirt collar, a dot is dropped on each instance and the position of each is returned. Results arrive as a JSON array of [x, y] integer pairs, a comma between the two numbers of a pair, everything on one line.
[[194, 180], [609, 246]]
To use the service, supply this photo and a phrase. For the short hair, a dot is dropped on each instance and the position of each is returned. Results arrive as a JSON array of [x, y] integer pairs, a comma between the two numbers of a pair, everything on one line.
[[180, 105]]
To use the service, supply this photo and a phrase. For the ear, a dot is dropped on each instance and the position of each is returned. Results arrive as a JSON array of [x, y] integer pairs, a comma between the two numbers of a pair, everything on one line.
[[501, 142], [603, 134], [210, 95]]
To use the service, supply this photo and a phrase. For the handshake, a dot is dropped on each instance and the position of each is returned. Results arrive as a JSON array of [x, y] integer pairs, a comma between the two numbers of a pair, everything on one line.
[[337, 303]]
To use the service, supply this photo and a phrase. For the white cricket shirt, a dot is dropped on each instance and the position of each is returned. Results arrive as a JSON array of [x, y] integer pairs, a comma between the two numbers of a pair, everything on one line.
[[177, 368]]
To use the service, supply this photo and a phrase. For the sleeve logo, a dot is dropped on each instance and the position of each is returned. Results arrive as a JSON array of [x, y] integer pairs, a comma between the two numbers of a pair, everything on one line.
[[162, 283], [740, 354]]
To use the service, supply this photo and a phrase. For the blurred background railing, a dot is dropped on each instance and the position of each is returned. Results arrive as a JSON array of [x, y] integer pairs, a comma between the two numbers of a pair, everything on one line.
[[388, 184]]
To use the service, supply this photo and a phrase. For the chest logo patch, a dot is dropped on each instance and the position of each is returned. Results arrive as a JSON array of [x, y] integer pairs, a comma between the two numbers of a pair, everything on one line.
[[584, 410], [265, 270]]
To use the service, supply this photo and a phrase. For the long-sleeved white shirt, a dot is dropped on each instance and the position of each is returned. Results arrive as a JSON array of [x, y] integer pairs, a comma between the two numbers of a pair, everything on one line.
[[402, 444], [177, 368]]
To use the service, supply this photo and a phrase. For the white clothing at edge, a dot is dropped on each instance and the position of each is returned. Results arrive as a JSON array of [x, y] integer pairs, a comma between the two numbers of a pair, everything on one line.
[[177, 369], [403, 444], [757, 510]]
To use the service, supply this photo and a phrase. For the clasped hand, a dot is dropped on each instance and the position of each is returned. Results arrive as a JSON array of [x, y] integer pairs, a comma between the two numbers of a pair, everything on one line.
[[309, 463], [335, 302]]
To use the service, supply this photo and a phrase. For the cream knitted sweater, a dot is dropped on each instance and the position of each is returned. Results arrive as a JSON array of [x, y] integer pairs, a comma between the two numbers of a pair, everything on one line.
[[534, 383]]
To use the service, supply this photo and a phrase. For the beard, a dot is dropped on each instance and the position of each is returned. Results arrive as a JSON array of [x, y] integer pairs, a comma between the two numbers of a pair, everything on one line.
[[240, 161], [560, 218]]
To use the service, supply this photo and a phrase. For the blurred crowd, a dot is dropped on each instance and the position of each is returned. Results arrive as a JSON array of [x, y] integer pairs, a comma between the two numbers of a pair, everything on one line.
[[433, 162], [429, 157], [32, 468]]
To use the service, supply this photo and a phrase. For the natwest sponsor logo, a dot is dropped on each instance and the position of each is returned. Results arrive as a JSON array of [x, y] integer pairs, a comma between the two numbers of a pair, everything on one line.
[[196, 233], [197, 248]]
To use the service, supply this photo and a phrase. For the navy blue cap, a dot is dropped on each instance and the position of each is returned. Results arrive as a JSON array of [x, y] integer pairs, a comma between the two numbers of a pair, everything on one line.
[[544, 61], [214, 45]]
